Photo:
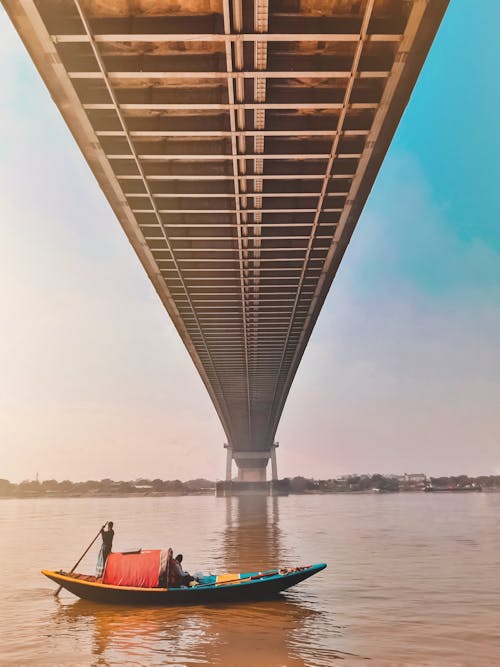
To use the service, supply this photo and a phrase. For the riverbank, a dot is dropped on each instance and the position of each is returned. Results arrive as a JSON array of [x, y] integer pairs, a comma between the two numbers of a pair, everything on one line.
[[347, 484]]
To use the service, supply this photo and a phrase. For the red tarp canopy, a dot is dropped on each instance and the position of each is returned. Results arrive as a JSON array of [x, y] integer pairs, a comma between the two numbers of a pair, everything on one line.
[[140, 569]]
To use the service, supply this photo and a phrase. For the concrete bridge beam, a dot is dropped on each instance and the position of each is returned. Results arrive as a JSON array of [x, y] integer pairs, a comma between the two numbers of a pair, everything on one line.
[[197, 164], [252, 465]]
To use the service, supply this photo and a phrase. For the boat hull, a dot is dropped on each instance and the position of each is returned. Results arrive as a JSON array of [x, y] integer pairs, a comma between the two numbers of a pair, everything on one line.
[[240, 591]]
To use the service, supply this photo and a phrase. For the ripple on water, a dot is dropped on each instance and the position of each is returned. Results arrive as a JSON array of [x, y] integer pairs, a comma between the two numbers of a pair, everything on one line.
[[410, 580]]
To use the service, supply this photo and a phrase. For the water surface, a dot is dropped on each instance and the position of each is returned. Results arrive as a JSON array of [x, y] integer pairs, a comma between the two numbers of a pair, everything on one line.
[[412, 579]]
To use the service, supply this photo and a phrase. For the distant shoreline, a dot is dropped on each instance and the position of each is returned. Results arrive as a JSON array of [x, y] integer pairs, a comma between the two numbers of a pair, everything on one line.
[[211, 492], [160, 494], [347, 484]]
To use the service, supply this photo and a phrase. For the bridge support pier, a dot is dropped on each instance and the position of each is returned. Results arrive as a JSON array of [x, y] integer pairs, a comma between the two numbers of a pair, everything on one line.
[[252, 473], [274, 465], [229, 463]]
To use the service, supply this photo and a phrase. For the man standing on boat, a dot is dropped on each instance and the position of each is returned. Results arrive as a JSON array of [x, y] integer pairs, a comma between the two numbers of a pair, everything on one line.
[[107, 543]]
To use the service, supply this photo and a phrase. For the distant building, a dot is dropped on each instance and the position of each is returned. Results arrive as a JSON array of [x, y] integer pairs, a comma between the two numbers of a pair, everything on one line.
[[415, 478]]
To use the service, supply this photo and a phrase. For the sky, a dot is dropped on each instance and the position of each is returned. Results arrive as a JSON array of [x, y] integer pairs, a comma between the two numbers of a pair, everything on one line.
[[402, 372]]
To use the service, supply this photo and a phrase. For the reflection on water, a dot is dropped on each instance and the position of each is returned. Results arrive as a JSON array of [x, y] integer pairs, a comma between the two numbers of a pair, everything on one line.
[[263, 634], [270, 632], [251, 534], [121, 635], [411, 580]]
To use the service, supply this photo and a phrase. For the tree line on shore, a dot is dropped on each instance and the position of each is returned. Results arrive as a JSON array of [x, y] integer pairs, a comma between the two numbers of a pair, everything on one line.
[[104, 487], [299, 484], [391, 483]]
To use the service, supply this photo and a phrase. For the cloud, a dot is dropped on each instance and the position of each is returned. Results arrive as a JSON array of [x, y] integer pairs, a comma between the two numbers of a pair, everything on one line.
[[407, 240], [402, 371], [95, 380]]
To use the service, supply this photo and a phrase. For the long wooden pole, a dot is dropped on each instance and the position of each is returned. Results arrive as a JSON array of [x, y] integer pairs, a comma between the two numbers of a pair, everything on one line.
[[81, 557]]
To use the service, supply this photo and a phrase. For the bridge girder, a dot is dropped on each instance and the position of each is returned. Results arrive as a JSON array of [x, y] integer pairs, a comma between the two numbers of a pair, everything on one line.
[[237, 144]]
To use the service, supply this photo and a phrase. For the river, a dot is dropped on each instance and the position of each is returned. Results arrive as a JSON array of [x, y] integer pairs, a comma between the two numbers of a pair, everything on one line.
[[411, 579]]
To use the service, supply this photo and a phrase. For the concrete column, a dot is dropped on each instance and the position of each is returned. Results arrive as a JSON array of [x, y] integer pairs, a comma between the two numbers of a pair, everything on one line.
[[274, 466], [229, 462], [252, 474]]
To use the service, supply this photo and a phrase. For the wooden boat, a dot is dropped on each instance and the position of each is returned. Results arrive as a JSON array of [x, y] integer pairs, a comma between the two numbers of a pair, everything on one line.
[[211, 588]]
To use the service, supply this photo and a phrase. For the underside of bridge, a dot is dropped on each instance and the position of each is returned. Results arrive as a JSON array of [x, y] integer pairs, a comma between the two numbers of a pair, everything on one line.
[[237, 142]]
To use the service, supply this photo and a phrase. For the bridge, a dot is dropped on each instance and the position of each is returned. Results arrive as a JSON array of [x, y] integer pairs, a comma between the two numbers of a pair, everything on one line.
[[237, 142]]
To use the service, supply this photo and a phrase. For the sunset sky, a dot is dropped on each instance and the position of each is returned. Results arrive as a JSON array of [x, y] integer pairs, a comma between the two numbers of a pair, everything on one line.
[[402, 372]]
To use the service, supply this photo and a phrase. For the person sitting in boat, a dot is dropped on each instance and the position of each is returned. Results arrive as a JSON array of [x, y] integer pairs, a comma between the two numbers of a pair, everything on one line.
[[185, 577], [170, 575], [106, 546]]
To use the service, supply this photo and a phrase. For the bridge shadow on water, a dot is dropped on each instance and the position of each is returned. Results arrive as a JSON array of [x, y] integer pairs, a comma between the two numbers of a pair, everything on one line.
[[282, 631]]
